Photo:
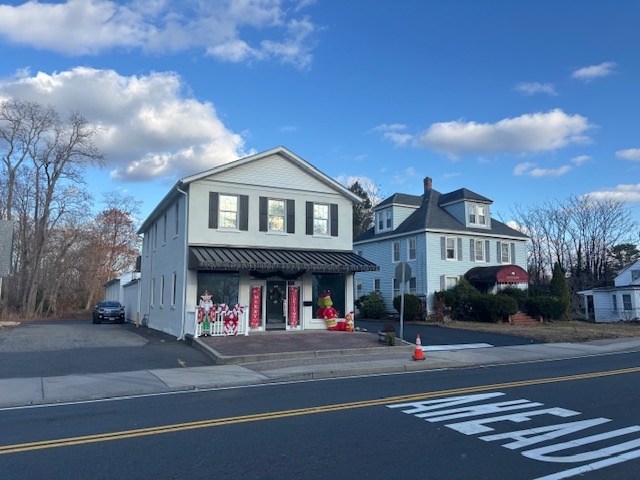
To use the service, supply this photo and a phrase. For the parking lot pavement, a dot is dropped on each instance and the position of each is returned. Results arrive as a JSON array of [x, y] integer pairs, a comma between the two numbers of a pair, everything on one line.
[[54, 348]]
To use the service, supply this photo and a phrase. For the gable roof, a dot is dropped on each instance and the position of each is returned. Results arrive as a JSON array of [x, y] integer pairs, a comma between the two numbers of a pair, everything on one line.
[[431, 216], [176, 190]]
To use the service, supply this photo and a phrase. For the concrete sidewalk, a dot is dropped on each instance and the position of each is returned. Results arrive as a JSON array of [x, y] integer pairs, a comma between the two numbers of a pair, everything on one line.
[[44, 390]]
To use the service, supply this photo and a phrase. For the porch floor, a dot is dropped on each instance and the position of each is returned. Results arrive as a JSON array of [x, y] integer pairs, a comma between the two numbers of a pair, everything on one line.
[[260, 346]]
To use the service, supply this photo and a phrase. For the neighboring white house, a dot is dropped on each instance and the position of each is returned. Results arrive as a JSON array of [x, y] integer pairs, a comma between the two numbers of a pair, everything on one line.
[[441, 237], [268, 231], [123, 289], [620, 302]]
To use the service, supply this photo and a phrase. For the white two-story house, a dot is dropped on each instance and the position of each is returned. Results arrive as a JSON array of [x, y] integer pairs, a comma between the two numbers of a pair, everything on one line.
[[442, 238], [621, 302], [269, 232]]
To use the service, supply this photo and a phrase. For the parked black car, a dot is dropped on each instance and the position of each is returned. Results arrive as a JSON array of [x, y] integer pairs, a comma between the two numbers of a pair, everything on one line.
[[109, 311]]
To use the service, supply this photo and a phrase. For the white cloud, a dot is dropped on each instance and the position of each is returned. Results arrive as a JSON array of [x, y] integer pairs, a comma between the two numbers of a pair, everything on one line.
[[623, 193], [230, 30], [532, 170], [288, 129], [580, 159], [147, 127], [531, 88], [535, 132], [392, 133], [587, 74], [523, 168], [629, 154]]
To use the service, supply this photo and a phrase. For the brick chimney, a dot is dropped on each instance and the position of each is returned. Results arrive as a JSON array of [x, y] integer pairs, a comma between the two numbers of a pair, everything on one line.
[[427, 185]]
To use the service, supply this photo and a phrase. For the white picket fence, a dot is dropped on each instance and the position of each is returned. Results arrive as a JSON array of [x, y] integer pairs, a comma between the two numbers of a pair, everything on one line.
[[223, 324]]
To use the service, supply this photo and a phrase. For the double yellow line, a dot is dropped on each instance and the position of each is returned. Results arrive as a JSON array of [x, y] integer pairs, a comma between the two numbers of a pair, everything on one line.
[[181, 427]]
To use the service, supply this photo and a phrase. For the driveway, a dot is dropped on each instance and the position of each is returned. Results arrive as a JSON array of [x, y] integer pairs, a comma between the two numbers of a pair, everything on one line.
[[45, 349]]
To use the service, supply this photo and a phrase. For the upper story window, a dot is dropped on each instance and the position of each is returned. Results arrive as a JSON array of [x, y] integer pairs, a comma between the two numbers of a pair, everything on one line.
[[177, 215], [155, 235], [477, 214], [479, 250], [451, 248], [164, 231], [396, 251], [635, 275], [505, 252], [228, 212], [412, 248], [277, 216], [322, 219], [385, 220]]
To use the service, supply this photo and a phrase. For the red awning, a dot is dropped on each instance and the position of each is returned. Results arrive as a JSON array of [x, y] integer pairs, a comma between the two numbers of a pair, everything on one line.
[[498, 274]]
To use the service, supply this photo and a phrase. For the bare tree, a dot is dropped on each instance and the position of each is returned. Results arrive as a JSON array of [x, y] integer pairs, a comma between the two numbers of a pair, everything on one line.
[[113, 246], [22, 127], [43, 160], [580, 233]]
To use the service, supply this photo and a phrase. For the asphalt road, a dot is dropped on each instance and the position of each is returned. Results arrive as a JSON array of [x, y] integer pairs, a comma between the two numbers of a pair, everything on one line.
[[546, 420], [44, 349]]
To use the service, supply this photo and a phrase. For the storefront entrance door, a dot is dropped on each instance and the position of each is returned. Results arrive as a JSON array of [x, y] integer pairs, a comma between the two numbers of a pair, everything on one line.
[[276, 296]]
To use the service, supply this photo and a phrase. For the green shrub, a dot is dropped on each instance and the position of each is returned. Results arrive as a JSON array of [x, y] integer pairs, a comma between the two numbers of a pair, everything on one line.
[[518, 294], [464, 295], [412, 304], [494, 308], [371, 305], [547, 307]]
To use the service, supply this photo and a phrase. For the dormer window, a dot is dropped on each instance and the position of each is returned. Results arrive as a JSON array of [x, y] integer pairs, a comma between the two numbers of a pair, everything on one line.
[[385, 220], [477, 215]]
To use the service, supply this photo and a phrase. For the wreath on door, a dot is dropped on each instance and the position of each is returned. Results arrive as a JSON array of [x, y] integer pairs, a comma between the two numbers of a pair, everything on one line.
[[276, 295]]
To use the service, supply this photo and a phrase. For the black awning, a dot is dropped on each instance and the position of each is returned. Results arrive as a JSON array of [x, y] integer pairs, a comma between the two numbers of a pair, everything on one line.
[[223, 258]]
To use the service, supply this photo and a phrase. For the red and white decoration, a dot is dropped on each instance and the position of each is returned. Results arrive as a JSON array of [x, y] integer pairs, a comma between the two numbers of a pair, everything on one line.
[[294, 306], [255, 307]]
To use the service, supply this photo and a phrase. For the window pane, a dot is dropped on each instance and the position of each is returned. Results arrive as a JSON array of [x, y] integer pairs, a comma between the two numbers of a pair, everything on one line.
[[412, 248], [333, 283], [228, 214], [479, 250], [223, 287], [320, 219], [276, 215], [451, 248], [481, 215], [505, 252]]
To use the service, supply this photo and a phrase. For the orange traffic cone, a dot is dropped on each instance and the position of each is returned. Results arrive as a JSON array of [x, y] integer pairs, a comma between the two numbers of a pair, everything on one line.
[[419, 354]]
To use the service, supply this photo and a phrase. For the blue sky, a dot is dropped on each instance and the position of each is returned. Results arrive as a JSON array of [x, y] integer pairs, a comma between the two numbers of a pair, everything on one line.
[[521, 102]]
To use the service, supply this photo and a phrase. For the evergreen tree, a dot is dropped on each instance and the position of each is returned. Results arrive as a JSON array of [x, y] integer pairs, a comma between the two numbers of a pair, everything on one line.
[[560, 290], [363, 212]]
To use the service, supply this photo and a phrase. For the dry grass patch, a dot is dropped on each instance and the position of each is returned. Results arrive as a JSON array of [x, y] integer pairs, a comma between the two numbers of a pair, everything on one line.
[[555, 332]]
